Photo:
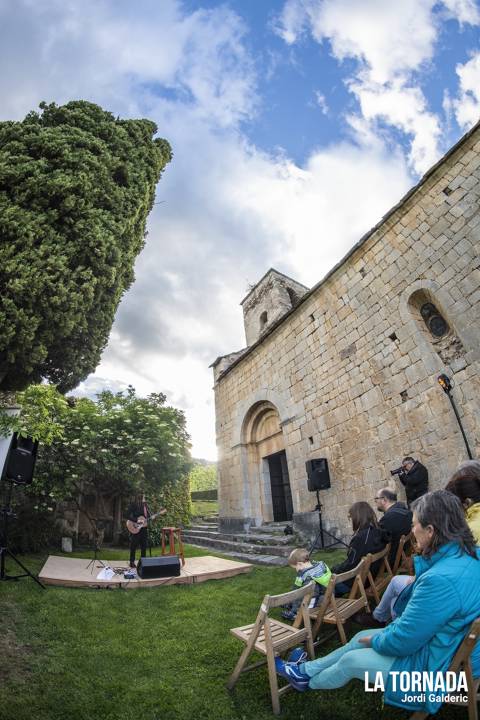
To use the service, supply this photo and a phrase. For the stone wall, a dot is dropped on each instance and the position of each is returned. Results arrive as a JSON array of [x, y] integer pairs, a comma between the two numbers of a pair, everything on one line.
[[352, 371]]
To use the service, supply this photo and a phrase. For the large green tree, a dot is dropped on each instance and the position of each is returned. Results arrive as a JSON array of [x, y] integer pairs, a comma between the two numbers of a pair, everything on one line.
[[118, 444], [114, 446], [76, 186]]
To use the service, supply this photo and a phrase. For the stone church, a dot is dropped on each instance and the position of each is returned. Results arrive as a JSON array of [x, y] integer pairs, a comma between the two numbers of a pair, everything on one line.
[[347, 370]]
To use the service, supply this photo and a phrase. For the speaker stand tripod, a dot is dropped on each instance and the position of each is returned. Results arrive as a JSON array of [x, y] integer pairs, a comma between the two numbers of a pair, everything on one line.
[[95, 562], [320, 537], [7, 513]]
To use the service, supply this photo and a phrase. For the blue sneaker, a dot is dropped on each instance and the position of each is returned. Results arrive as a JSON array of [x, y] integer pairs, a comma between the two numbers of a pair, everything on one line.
[[290, 672], [298, 655]]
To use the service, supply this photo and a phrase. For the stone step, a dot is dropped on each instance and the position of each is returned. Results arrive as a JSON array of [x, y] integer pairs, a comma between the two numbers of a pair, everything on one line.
[[271, 528], [254, 559], [276, 529], [204, 526], [261, 539], [263, 545], [234, 546]]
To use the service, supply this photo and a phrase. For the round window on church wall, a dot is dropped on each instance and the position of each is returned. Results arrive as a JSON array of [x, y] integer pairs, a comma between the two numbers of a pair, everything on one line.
[[435, 322]]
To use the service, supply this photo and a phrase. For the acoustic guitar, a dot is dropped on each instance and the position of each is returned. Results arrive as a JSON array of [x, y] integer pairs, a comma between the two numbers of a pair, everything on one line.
[[134, 527]]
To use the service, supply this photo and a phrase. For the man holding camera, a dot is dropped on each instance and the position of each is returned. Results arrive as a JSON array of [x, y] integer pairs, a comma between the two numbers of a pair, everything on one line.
[[414, 477]]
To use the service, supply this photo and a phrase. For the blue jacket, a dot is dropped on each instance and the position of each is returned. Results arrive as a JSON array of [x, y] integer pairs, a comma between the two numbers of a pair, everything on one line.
[[435, 613]]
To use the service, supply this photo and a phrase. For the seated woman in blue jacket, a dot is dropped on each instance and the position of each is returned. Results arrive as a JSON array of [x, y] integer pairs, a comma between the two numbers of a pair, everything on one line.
[[433, 615]]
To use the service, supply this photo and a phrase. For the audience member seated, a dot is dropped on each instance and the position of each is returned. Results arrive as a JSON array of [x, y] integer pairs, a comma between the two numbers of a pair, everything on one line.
[[396, 519], [367, 537], [319, 572], [465, 484], [434, 614]]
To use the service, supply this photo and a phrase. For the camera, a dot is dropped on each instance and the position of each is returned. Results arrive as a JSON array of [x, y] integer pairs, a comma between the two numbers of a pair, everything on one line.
[[398, 471]]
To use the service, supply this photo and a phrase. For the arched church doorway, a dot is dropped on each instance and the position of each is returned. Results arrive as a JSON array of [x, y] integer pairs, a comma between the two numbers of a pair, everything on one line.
[[267, 467]]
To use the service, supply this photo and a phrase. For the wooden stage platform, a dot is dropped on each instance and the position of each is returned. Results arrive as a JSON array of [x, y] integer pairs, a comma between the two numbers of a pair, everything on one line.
[[73, 572]]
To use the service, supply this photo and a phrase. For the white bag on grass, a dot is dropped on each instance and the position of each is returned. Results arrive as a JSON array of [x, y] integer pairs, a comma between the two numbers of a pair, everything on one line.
[[105, 573]]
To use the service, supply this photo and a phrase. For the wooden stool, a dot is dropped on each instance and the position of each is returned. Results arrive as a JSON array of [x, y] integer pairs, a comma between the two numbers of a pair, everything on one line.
[[173, 535]]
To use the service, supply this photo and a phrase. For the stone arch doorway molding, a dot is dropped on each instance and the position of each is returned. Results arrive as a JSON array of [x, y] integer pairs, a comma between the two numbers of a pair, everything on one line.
[[263, 455]]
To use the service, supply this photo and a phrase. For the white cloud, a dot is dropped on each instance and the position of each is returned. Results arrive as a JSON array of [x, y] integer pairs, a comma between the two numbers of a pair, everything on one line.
[[464, 11], [387, 38], [293, 20], [405, 108], [390, 42], [113, 54], [322, 102], [318, 212], [466, 105]]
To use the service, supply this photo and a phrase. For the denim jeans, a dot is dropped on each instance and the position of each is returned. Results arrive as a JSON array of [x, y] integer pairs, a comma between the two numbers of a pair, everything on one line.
[[350, 661], [384, 610], [342, 589]]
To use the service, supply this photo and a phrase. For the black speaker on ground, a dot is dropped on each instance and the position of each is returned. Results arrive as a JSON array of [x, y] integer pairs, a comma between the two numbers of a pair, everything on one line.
[[158, 567], [20, 462], [318, 474]]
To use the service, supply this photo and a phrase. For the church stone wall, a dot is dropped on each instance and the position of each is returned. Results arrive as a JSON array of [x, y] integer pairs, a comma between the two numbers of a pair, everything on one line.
[[352, 370]]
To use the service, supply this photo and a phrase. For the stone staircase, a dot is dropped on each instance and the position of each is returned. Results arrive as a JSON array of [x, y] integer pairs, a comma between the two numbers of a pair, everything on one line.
[[265, 545]]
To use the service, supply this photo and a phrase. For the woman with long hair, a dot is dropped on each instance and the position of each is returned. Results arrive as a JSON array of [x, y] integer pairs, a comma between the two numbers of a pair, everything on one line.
[[367, 537], [434, 614]]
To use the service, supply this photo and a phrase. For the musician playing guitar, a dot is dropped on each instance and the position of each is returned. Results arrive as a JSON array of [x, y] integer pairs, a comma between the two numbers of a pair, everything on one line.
[[138, 518]]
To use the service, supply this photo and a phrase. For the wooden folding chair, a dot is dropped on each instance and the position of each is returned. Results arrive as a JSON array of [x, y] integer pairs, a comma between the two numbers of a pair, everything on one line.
[[382, 576], [403, 559], [461, 661], [272, 637], [336, 611]]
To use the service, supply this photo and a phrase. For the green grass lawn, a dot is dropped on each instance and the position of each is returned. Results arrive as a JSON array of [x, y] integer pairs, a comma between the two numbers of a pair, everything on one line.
[[150, 654]]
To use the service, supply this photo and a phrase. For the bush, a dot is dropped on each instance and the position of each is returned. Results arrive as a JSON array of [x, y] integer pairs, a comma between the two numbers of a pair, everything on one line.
[[203, 477], [204, 495], [33, 529]]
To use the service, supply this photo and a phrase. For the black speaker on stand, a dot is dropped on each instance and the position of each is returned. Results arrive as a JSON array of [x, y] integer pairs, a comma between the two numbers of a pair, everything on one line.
[[318, 476], [18, 470], [21, 458]]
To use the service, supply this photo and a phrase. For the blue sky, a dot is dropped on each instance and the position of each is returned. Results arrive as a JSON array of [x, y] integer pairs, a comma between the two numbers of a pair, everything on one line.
[[295, 124]]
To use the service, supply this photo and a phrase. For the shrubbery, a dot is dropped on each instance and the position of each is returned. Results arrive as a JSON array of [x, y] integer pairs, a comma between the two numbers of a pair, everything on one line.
[[34, 528], [203, 477]]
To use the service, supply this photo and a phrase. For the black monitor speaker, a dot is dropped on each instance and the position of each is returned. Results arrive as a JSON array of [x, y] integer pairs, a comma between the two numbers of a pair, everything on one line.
[[158, 567], [20, 462], [318, 474]]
